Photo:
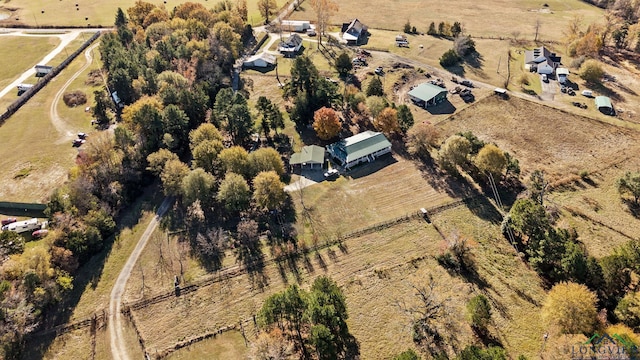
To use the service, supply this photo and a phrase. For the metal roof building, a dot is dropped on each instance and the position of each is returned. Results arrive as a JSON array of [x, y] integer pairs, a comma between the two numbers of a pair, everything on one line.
[[359, 148], [603, 104], [309, 156], [427, 94]]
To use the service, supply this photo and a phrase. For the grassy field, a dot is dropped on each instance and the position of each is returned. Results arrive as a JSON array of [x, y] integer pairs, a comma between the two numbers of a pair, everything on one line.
[[229, 345], [31, 49], [93, 12], [540, 137], [35, 156], [498, 18]]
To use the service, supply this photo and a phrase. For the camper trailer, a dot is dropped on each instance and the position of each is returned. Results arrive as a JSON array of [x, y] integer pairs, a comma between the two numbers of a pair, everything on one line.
[[24, 87], [23, 226]]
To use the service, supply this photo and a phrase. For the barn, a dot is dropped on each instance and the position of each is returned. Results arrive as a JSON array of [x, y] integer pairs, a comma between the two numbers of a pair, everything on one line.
[[363, 147], [261, 60], [427, 94]]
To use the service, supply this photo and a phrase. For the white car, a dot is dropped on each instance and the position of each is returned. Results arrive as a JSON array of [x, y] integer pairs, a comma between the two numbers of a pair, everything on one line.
[[331, 173]]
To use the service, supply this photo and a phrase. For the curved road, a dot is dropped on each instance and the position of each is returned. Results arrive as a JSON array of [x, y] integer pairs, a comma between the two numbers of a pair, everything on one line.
[[57, 122], [118, 344]]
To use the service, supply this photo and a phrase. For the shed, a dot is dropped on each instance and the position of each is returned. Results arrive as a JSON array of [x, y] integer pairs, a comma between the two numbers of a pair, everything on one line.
[[603, 104], [363, 147], [427, 94], [290, 47], [261, 60], [42, 70], [311, 156]]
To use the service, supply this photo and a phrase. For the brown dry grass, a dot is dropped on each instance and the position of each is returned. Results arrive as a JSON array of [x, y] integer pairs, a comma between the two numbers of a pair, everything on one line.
[[490, 18], [389, 188], [541, 137], [229, 345]]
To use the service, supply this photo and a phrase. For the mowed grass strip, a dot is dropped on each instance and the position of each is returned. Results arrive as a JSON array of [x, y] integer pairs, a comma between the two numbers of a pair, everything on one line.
[[20, 53], [98, 13], [540, 137], [31, 141]]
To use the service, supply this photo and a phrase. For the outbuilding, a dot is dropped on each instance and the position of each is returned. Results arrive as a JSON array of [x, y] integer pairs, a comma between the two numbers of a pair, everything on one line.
[[363, 147], [427, 94], [42, 70], [311, 157], [261, 60], [603, 104], [295, 25], [561, 74]]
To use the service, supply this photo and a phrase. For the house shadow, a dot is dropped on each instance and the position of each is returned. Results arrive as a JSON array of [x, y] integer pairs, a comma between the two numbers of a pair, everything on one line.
[[366, 169], [445, 107], [262, 70]]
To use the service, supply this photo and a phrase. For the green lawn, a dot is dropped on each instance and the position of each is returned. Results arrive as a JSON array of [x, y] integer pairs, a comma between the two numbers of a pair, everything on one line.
[[25, 52], [30, 140]]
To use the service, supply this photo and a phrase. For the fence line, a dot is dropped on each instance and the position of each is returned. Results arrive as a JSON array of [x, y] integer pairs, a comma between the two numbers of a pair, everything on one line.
[[27, 95], [97, 319]]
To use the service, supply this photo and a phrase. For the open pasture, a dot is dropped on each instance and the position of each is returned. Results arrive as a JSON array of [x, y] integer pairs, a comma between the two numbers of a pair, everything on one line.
[[21, 53], [540, 137], [94, 12], [497, 18]]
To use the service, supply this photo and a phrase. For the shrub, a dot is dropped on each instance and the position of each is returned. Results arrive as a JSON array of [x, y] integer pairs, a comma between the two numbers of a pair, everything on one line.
[[449, 58], [74, 98], [591, 71], [577, 62], [407, 28]]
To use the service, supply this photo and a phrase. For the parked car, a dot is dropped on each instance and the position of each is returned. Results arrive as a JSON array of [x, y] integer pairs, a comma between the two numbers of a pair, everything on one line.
[[587, 93], [39, 233], [8, 221], [82, 135], [311, 32], [331, 173], [379, 70], [466, 83], [544, 78], [78, 142]]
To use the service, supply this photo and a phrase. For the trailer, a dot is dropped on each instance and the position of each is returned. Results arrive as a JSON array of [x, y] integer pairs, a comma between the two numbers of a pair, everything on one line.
[[24, 87], [23, 226]]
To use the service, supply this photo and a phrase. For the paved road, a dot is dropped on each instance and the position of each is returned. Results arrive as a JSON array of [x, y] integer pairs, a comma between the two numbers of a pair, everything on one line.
[[57, 122], [118, 344], [65, 39]]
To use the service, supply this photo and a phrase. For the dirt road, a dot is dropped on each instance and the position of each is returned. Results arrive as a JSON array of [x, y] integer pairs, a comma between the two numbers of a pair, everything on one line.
[[118, 343], [57, 122], [65, 39]]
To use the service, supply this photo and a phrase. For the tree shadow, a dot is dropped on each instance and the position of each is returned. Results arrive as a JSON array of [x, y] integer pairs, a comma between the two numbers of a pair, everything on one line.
[[633, 207], [475, 60], [602, 89], [87, 275], [485, 337]]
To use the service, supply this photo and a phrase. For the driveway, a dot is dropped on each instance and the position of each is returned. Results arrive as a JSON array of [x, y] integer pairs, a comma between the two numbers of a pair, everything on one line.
[[549, 90], [307, 178]]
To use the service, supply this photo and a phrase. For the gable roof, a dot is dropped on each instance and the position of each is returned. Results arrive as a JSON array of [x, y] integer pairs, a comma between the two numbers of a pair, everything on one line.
[[311, 154], [426, 91], [293, 42], [354, 30], [541, 55], [562, 71], [268, 58], [359, 145]]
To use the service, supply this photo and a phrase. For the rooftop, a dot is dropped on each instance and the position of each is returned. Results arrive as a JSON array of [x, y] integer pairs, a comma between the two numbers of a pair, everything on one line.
[[311, 154], [359, 145], [603, 101], [426, 91]]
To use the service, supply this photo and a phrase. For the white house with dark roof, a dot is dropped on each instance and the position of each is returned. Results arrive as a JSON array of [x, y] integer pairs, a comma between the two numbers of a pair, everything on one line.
[[354, 32], [541, 60], [363, 147], [291, 46]]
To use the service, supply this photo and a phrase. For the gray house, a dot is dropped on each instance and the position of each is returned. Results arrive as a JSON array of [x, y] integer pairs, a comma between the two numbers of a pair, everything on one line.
[[363, 147], [541, 60], [354, 32]]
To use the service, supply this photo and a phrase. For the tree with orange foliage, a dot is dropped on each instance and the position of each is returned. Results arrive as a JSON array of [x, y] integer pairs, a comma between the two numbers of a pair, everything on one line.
[[326, 123], [387, 121]]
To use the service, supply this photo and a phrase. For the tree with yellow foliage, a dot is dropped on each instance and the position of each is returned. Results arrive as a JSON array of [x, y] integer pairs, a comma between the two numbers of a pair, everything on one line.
[[387, 121], [572, 307], [324, 10], [491, 160]]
